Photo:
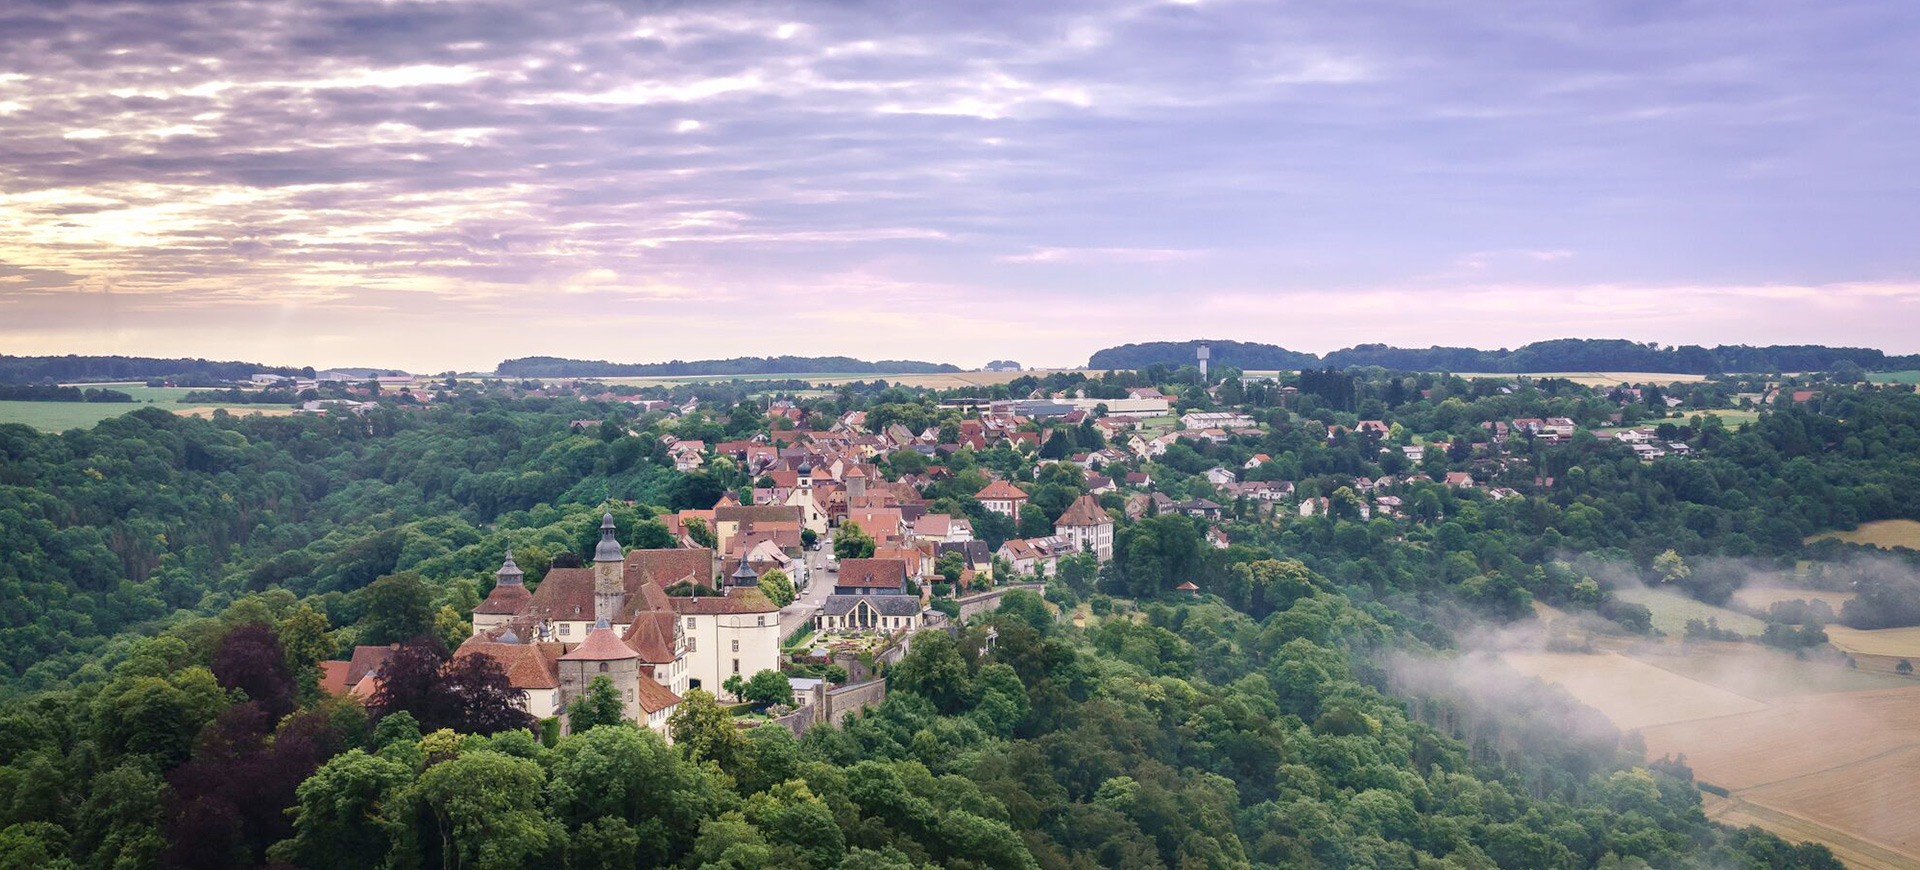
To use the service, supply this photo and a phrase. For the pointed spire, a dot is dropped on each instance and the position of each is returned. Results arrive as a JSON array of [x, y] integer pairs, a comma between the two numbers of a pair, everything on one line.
[[509, 573], [744, 575], [609, 549]]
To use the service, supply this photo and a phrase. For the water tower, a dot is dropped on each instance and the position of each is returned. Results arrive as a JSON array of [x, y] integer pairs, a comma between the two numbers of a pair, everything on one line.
[[1202, 354]]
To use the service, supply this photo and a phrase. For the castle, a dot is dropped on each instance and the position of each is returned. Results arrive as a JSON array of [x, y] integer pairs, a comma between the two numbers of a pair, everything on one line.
[[615, 619]]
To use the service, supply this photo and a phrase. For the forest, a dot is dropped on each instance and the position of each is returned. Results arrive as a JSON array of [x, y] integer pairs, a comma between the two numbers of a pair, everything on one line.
[[71, 368], [168, 585]]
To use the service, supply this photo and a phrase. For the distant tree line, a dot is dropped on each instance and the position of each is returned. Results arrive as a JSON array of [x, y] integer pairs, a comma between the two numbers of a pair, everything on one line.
[[44, 369], [1567, 354], [557, 367], [39, 393]]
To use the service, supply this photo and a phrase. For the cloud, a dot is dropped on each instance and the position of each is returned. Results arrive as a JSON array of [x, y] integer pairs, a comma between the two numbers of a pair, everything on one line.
[[1313, 171], [1101, 255]]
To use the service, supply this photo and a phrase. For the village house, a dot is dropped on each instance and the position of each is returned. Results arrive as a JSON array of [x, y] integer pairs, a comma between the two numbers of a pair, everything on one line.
[[1215, 420], [870, 595], [1002, 497], [1085, 526], [1035, 556]]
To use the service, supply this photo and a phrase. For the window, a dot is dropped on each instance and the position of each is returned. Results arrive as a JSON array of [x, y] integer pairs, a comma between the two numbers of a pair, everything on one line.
[[736, 666], [565, 628], [689, 622], [629, 696], [689, 644], [603, 667], [763, 622], [736, 646]]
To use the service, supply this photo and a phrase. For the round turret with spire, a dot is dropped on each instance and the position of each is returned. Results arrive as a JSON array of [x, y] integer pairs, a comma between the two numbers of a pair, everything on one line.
[[744, 575]]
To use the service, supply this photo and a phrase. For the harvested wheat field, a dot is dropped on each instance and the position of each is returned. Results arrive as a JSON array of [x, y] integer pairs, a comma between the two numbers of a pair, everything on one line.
[[1849, 762], [1877, 642], [1633, 694], [1879, 797], [1763, 597], [1879, 533], [1810, 751]]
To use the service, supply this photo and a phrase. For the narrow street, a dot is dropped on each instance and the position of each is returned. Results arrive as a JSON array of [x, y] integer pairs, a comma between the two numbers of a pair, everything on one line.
[[818, 585]]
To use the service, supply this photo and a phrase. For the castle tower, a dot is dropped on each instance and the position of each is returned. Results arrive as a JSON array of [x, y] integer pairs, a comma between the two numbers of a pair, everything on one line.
[[601, 654], [609, 590], [856, 481]]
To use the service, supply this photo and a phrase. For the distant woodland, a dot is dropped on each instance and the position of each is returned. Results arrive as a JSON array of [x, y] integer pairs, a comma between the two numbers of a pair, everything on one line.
[[1560, 355], [558, 367]]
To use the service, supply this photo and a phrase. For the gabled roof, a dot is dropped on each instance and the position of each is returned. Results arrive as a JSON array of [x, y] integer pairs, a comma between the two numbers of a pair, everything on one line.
[[1000, 489], [565, 594], [872, 574], [651, 636], [333, 677], [368, 659], [1085, 511], [528, 665], [664, 568]]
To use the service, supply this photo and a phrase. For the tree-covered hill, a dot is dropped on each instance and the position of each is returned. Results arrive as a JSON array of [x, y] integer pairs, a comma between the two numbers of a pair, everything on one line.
[[1174, 354], [1560, 355], [557, 367]]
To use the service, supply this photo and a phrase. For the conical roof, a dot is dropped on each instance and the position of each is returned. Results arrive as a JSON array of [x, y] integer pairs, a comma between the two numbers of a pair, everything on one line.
[[601, 645]]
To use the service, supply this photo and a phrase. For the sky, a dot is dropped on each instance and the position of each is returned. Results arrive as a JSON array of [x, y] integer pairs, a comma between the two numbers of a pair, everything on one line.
[[442, 185]]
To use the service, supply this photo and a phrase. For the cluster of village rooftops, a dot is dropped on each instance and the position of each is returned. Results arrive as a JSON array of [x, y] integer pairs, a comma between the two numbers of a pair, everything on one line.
[[616, 618]]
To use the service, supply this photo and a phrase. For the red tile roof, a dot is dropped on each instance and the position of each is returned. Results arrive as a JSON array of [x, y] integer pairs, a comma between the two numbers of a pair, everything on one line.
[[651, 635], [1085, 511], [368, 659], [655, 697], [528, 665], [565, 594], [601, 645], [333, 677], [1000, 489], [506, 598], [872, 574]]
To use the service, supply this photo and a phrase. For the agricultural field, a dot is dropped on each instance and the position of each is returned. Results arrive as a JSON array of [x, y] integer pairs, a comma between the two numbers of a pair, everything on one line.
[[61, 416], [1879, 533], [1763, 673], [1848, 762], [1808, 750], [1631, 693], [1882, 650], [1671, 610], [1763, 597], [1910, 376]]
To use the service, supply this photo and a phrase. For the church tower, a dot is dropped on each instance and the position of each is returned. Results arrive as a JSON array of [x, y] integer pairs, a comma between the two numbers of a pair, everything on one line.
[[609, 589]]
